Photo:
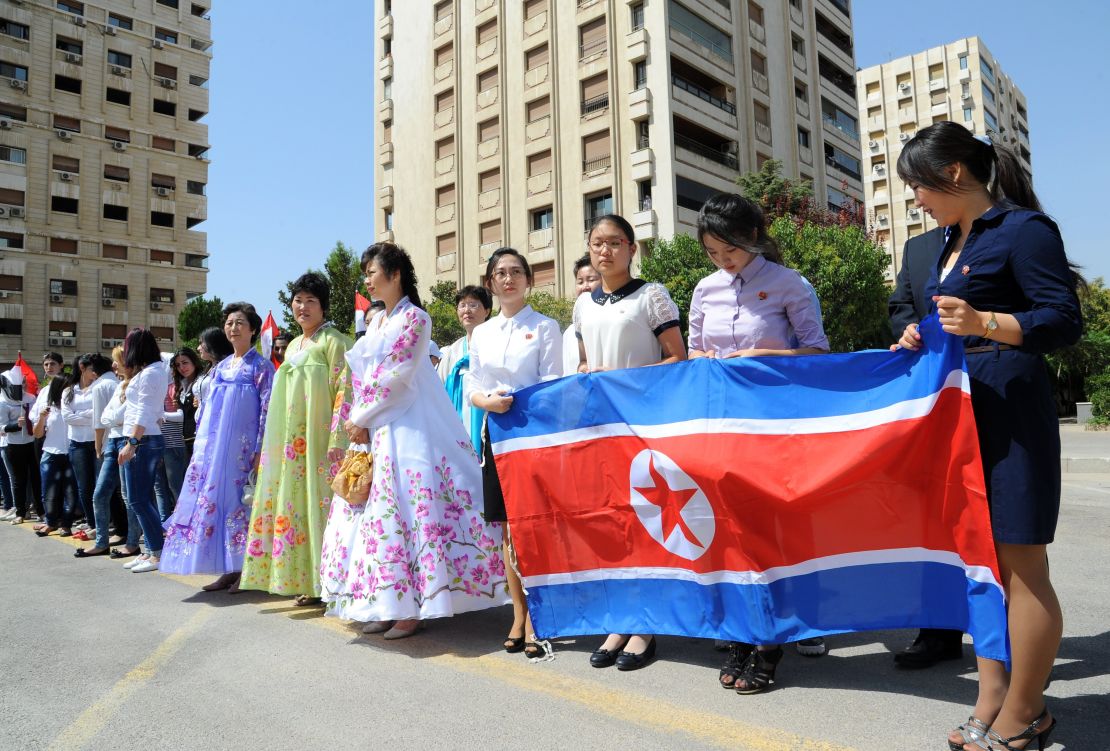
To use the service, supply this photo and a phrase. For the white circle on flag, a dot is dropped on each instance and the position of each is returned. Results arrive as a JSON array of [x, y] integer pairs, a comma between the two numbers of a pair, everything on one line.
[[670, 505]]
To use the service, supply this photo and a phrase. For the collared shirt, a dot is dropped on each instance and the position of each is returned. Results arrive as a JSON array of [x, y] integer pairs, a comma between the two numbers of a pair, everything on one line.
[[621, 329], [56, 440], [112, 417], [77, 412], [765, 306], [146, 399], [100, 392], [513, 353]]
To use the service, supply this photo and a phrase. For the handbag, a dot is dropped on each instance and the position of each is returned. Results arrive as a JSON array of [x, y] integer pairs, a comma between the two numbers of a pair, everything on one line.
[[248, 488], [352, 480]]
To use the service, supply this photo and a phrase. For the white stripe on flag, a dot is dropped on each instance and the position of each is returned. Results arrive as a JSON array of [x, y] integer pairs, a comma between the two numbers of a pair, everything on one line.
[[906, 410], [980, 574]]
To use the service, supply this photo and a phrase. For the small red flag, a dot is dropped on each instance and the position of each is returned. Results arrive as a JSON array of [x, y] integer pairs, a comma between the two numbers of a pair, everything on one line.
[[266, 338], [361, 306]]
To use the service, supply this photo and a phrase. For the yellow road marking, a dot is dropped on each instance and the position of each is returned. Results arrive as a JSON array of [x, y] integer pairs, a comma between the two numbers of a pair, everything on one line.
[[92, 720], [626, 706]]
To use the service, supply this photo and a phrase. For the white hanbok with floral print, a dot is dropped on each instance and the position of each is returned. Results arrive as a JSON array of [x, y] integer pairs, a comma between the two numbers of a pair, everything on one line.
[[419, 547]]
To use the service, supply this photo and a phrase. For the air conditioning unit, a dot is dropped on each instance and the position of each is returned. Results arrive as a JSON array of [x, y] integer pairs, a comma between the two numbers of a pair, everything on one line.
[[156, 306], [78, 20], [883, 218], [12, 212], [3, 294], [119, 70], [156, 44], [107, 343], [107, 302], [65, 135], [880, 169], [5, 124], [965, 96], [119, 146], [18, 84], [73, 57], [67, 341], [167, 83], [905, 136], [913, 213], [872, 144], [904, 86], [162, 191], [55, 341], [55, 298], [65, 177], [110, 30]]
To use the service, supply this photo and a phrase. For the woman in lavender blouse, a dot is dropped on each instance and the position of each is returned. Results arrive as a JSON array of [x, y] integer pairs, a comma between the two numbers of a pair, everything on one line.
[[752, 306]]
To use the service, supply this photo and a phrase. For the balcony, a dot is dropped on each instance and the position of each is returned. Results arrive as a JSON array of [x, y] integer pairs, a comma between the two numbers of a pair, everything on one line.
[[759, 80], [444, 25], [385, 26], [757, 31], [489, 147], [801, 106], [536, 24], [444, 117], [385, 197], [705, 151], [805, 153], [537, 75], [443, 71], [539, 183], [715, 50], [488, 97], [643, 223], [596, 104], [489, 199], [486, 49], [842, 6], [642, 164], [848, 131], [705, 96], [843, 169], [445, 213], [385, 153], [799, 61], [636, 45], [482, 5], [937, 84], [540, 239], [538, 129], [639, 104], [596, 166], [592, 50], [763, 133], [833, 74], [385, 111], [445, 165]]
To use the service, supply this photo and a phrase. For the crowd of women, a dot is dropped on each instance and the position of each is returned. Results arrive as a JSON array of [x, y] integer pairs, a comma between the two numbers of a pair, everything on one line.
[[237, 470]]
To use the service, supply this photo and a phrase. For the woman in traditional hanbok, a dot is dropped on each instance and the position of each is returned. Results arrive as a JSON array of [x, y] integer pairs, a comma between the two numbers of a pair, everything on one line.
[[301, 450], [207, 533], [419, 547]]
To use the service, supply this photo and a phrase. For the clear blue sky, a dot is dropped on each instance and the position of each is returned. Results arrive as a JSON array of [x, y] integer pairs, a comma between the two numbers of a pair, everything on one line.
[[1057, 54], [291, 128]]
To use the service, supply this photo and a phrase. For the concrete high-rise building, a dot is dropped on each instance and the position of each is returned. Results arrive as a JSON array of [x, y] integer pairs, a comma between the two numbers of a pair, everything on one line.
[[961, 81], [103, 167], [515, 122]]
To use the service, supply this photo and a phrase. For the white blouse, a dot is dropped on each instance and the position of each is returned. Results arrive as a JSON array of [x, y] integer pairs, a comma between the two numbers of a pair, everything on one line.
[[56, 440], [77, 412], [112, 415], [621, 329], [513, 353], [146, 399]]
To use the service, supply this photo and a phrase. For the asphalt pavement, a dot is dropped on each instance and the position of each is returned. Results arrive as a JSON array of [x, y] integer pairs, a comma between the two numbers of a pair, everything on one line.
[[94, 657]]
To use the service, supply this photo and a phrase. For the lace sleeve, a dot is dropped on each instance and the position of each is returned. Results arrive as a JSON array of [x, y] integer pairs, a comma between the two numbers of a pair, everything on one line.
[[662, 312]]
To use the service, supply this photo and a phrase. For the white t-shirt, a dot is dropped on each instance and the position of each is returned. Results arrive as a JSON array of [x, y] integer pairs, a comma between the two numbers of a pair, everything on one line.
[[514, 353], [621, 329], [77, 411], [146, 399], [56, 440]]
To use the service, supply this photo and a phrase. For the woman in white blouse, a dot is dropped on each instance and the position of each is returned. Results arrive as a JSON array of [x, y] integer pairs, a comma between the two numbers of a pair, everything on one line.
[[77, 411], [624, 323], [515, 349], [142, 451]]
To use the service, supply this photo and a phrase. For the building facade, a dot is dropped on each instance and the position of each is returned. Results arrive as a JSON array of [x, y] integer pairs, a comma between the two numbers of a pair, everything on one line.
[[515, 122], [962, 82], [103, 169]]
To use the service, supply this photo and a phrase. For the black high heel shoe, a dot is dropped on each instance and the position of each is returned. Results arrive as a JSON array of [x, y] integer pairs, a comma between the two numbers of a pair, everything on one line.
[[995, 742], [634, 660], [514, 644]]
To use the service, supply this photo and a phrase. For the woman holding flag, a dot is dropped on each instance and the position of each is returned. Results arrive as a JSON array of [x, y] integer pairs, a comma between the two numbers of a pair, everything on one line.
[[208, 530], [1003, 282]]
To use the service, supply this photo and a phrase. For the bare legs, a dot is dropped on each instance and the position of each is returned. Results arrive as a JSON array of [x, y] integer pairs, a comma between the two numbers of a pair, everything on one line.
[[522, 621]]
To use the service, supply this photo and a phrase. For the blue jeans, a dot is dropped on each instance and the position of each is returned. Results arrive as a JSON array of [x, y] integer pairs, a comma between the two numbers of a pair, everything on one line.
[[58, 489], [82, 457], [108, 480], [169, 479], [138, 479]]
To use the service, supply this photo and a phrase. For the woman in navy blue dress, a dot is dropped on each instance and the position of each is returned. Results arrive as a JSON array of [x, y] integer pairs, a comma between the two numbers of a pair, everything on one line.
[[1004, 283]]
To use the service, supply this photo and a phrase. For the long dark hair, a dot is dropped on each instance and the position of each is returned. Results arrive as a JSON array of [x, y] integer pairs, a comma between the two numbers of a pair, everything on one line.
[[178, 379], [140, 349], [925, 157], [95, 361], [215, 341], [392, 259], [735, 220], [500, 253], [54, 391]]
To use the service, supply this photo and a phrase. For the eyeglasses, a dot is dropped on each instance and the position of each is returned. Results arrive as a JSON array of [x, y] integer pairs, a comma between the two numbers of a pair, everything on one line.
[[514, 273], [614, 244], [470, 304]]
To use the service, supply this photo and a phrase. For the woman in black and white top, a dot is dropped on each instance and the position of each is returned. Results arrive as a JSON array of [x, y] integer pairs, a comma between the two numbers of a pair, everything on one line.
[[213, 348]]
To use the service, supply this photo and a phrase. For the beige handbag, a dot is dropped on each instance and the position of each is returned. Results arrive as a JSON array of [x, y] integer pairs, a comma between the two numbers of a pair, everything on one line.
[[356, 473]]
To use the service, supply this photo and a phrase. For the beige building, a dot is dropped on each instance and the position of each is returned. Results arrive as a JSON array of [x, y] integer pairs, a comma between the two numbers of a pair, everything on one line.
[[103, 166], [515, 122], [962, 82]]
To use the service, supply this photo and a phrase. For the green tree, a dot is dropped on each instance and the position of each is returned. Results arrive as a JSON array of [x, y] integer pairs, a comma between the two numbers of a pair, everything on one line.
[[847, 269], [678, 264], [197, 315], [776, 194], [1084, 368], [341, 269], [446, 328], [559, 308]]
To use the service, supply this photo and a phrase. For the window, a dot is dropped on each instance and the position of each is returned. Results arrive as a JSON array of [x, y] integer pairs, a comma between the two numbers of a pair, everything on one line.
[[988, 95], [704, 34], [117, 96], [65, 44], [65, 164], [538, 109], [199, 11], [13, 29], [592, 39], [387, 88], [116, 331], [445, 196], [161, 219], [13, 155], [489, 180], [117, 252], [63, 287], [445, 147], [963, 62], [755, 14], [162, 333], [164, 258], [119, 58], [72, 124], [165, 35], [487, 32], [543, 219], [539, 164], [444, 10], [63, 245], [388, 219], [988, 118], [445, 244], [11, 327], [118, 213], [445, 100], [120, 22], [599, 205], [967, 114], [595, 151], [803, 137], [18, 72], [533, 8], [11, 240], [10, 283], [536, 57], [169, 72], [595, 93], [65, 83], [194, 187], [165, 144], [643, 139], [489, 233], [543, 274], [200, 81], [801, 93], [63, 205], [988, 71], [160, 294], [445, 54], [798, 45], [164, 108], [200, 151], [13, 112], [489, 130], [69, 6], [168, 3], [113, 291], [163, 181], [637, 16], [12, 197], [487, 80], [639, 74], [195, 115]]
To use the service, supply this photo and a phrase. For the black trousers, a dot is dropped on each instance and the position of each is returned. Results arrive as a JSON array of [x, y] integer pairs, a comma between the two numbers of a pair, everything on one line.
[[23, 469]]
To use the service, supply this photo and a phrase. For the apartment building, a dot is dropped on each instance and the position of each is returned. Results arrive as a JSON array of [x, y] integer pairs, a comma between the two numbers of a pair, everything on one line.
[[103, 167], [961, 81], [516, 122]]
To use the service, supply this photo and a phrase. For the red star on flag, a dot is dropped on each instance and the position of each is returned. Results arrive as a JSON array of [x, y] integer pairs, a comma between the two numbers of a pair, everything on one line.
[[670, 502]]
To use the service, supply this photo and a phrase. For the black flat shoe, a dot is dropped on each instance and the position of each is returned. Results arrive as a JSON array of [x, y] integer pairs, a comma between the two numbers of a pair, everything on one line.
[[634, 661], [82, 553], [123, 553], [929, 648], [604, 658]]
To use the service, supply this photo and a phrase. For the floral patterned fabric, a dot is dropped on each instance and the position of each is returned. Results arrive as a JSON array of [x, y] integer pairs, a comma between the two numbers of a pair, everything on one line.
[[301, 450], [419, 547], [207, 532]]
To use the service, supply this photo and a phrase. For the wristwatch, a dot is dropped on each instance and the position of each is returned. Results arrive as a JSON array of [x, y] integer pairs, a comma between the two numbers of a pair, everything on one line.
[[992, 326], [132, 441]]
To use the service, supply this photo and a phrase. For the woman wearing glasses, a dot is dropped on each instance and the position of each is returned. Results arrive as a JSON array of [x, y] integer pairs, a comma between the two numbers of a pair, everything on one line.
[[472, 305], [515, 349], [623, 323]]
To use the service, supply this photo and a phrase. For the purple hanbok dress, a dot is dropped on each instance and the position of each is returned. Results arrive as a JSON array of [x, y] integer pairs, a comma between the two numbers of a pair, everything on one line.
[[207, 532]]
